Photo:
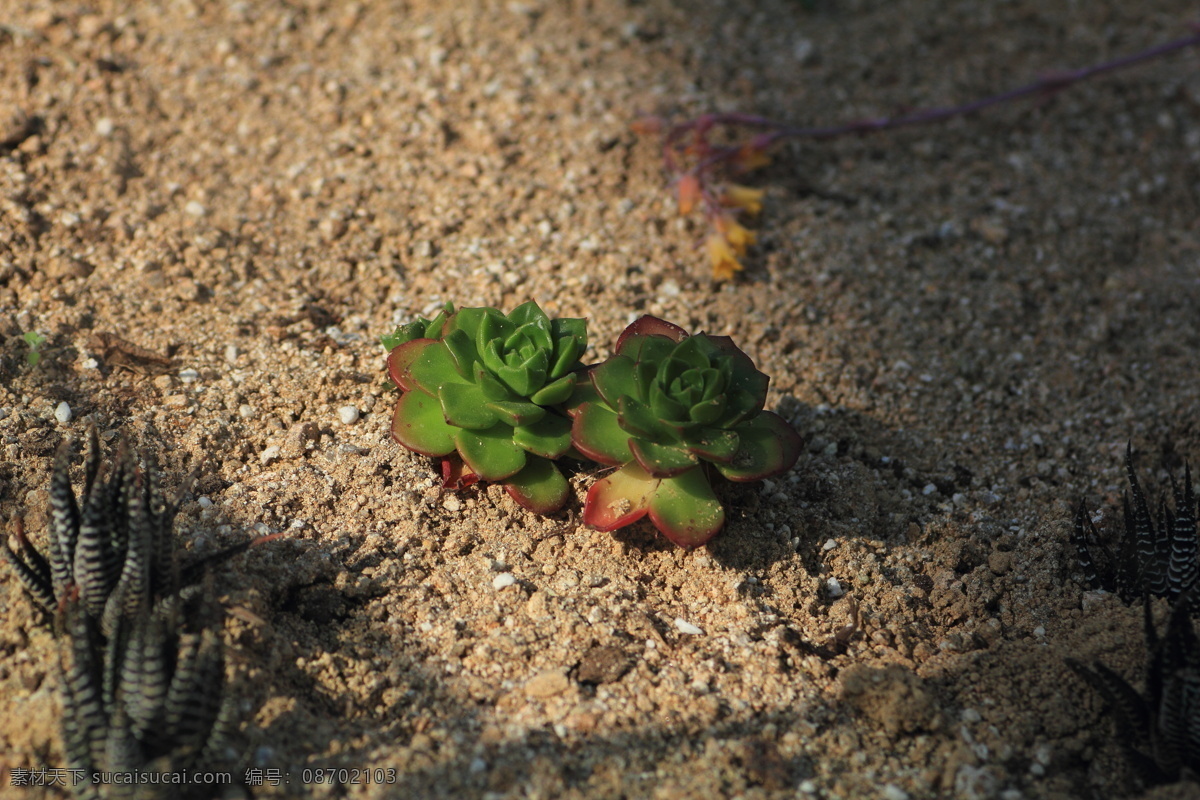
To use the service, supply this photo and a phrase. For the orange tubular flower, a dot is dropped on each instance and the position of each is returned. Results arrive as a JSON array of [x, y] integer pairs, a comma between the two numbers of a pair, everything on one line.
[[750, 157], [743, 197], [689, 193], [737, 236], [724, 260]]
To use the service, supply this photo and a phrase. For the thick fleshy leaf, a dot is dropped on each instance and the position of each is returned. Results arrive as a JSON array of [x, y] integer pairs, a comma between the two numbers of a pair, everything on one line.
[[550, 436], [619, 499], [491, 454], [686, 509], [434, 368], [638, 419], [468, 320], [465, 406], [661, 461], [493, 390], [557, 392], [652, 349], [768, 446], [517, 413], [401, 358], [570, 340], [745, 376], [715, 444], [651, 326], [708, 412], [540, 487], [614, 379], [462, 349], [523, 379], [664, 406], [740, 406], [695, 351], [418, 424], [583, 393], [596, 434]]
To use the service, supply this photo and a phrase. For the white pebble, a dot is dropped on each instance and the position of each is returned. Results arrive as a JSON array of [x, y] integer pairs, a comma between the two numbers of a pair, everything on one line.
[[929, 489], [270, 454], [245, 411], [105, 127], [189, 376], [231, 353], [894, 792], [503, 580], [62, 412], [834, 587], [348, 415], [91, 363], [195, 209], [683, 626], [204, 502], [829, 544]]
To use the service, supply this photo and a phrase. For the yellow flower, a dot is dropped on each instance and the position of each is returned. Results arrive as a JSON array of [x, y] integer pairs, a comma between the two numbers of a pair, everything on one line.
[[689, 193], [724, 261], [736, 235], [743, 197]]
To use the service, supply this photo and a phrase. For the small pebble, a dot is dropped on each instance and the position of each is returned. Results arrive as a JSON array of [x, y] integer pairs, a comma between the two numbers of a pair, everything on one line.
[[348, 415], [829, 544], [834, 588], [547, 684], [62, 412], [105, 127], [231, 353], [503, 580], [195, 209], [270, 454], [204, 502], [683, 626], [245, 411], [189, 376]]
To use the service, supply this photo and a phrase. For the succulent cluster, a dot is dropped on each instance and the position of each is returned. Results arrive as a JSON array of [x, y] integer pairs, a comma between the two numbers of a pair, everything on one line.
[[501, 398], [114, 549], [481, 386], [147, 698], [1158, 553], [143, 660], [1159, 730], [669, 410]]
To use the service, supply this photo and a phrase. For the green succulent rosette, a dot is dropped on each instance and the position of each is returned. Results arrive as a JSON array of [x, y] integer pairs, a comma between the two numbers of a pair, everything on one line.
[[669, 410], [482, 385]]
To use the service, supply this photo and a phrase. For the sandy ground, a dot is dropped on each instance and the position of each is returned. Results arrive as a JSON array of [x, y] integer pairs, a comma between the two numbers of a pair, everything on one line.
[[967, 324]]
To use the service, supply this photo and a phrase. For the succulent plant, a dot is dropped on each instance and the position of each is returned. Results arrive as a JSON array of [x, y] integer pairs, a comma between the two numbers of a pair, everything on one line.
[[1159, 731], [148, 700], [113, 546], [669, 409], [1159, 558], [143, 666], [480, 386]]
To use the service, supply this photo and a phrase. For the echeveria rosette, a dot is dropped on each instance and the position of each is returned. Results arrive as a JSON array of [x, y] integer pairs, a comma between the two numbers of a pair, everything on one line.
[[481, 384], [668, 409]]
